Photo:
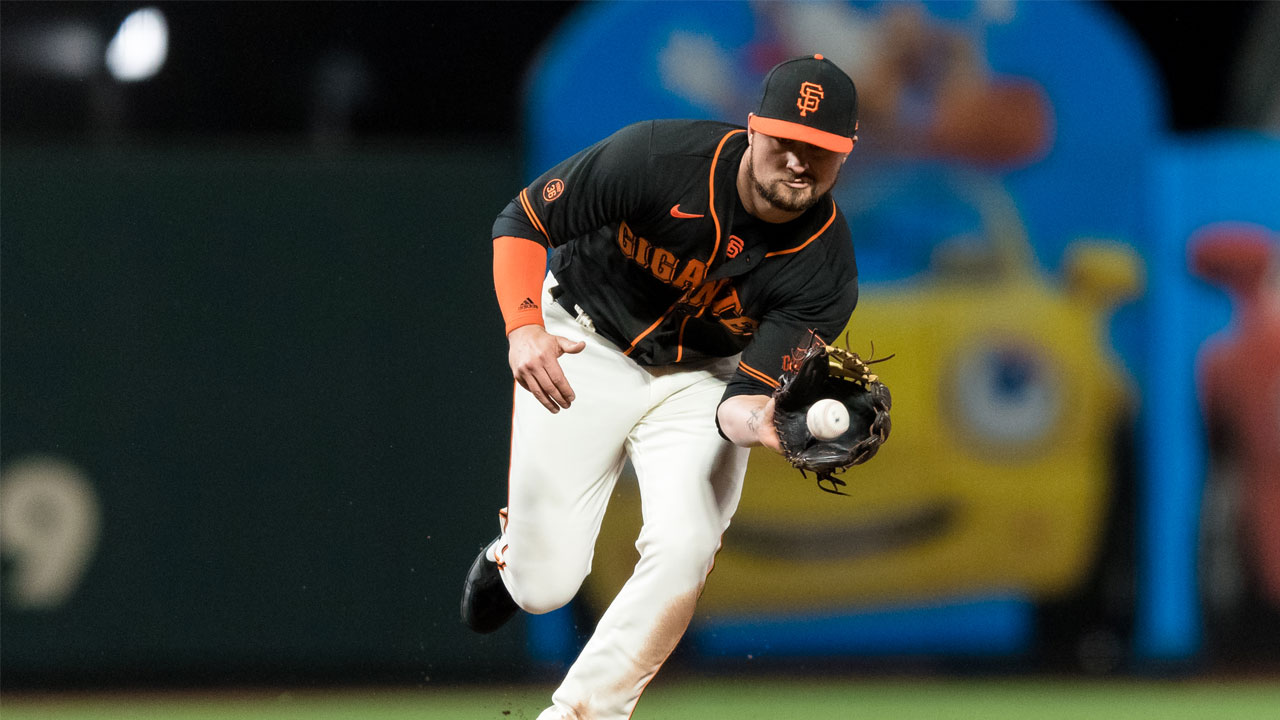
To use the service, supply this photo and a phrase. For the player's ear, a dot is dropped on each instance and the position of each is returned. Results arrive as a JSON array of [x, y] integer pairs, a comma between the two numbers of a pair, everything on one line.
[[750, 133], [845, 156]]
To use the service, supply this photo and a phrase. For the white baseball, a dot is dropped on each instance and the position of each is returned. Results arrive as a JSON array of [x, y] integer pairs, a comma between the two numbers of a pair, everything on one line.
[[828, 419]]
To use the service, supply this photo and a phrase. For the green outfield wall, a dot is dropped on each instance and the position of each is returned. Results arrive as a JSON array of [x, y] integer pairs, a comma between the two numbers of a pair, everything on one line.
[[255, 412]]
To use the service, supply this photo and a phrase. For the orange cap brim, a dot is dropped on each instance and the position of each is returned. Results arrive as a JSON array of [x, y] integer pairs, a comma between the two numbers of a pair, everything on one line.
[[803, 133]]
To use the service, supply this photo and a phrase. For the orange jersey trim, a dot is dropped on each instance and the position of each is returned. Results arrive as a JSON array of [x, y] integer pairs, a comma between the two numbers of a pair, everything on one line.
[[680, 340], [715, 249], [715, 218], [711, 195], [533, 217], [754, 373], [805, 244], [648, 330]]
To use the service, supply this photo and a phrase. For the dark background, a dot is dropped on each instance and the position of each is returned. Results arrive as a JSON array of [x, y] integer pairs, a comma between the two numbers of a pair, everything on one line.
[[437, 69]]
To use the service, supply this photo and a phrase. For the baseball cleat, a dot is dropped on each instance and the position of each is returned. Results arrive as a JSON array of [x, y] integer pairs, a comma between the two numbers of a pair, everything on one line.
[[486, 604]]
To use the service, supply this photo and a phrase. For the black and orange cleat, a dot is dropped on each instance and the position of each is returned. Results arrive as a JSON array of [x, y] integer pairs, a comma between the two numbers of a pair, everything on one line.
[[486, 604]]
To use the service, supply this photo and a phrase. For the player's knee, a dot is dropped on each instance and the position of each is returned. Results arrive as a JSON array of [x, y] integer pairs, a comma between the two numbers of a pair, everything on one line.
[[686, 555], [538, 592], [700, 543], [538, 602]]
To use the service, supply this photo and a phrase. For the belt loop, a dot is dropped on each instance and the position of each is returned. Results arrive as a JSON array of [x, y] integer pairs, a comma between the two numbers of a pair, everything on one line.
[[583, 319]]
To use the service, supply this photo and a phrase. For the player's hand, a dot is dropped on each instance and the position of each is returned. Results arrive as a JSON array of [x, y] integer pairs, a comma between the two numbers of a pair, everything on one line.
[[534, 359], [765, 430]]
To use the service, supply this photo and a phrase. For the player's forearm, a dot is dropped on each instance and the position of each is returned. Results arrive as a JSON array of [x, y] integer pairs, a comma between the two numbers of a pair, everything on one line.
[[747, 420], [519, 266]]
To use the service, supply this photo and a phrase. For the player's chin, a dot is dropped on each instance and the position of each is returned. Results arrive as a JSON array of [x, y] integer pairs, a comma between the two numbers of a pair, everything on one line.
[[793, 199]]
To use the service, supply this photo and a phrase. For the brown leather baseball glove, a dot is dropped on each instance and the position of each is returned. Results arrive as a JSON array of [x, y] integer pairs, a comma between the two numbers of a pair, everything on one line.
[[824, 371]]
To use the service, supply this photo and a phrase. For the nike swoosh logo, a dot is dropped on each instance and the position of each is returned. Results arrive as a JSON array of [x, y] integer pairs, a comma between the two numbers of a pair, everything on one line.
[[676, 213]]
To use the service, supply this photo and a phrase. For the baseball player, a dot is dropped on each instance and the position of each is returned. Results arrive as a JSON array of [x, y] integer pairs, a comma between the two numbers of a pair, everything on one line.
[[692, 258]]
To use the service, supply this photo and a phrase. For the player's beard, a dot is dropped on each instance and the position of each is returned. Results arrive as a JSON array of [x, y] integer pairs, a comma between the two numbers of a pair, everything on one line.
[[782, 197]]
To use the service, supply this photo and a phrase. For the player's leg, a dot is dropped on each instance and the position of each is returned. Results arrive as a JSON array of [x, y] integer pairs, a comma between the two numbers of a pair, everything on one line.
[[690, 482], [563, 470]]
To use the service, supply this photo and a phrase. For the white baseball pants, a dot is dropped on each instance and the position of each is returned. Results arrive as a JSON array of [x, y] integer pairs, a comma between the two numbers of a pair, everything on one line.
[[563, 470]]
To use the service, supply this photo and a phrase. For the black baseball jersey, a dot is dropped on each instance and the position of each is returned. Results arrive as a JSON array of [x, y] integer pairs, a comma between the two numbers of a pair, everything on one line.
[[652, 242]]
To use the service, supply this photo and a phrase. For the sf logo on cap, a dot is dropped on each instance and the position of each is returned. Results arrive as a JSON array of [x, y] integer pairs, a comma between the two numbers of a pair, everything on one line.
[[810, 94]]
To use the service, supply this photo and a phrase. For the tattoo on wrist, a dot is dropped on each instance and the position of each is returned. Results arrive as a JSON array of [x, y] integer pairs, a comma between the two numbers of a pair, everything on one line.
[[753, 420]]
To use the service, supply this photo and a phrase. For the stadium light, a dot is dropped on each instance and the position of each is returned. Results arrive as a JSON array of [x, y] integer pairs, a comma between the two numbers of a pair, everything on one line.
[[140, 46]]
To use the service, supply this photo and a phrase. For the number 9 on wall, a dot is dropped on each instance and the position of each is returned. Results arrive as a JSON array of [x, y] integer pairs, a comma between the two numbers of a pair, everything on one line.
[[49, 527]]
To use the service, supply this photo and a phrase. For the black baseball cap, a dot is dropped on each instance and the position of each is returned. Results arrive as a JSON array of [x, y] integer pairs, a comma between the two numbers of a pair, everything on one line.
[[811, 100]]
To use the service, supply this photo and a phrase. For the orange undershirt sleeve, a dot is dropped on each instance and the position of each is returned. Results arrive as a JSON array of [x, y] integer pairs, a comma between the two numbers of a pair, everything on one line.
[[519, 266]]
